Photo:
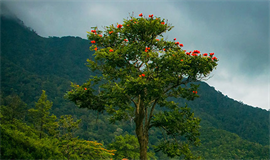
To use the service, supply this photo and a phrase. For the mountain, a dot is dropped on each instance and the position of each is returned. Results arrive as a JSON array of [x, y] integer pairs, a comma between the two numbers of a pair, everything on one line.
[[30, 63]]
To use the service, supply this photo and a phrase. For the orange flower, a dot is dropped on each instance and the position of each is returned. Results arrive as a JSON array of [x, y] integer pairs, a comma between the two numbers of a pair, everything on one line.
[[119, 26], [143, 75], [110, 32], [140, 75], [181, 60], [100, 35], [95, 48], [85, 88], [111, 50], [157, 39], [125, 40], [162, 22]]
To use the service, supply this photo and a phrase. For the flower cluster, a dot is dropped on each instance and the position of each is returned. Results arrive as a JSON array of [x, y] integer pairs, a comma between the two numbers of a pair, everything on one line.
[[195, 92], [151, 16], [125, 40], [111, 50], [141, 15], [162, 22], [205, 54], [147, 49], [211, 54], [93, 41], [119, 26], [110, 32], [142, 75], [93, 31]]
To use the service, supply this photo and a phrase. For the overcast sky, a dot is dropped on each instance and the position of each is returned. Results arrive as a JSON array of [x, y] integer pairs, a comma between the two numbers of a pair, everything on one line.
[[236, 31]]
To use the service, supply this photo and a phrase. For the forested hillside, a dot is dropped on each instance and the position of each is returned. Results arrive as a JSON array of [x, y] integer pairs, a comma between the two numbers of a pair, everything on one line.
[[30, 64]]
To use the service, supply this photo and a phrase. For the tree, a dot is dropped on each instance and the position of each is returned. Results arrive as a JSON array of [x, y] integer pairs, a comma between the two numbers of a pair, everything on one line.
[[41, 118], [13, 107], [127, 147], [74, 148], [135, 72]]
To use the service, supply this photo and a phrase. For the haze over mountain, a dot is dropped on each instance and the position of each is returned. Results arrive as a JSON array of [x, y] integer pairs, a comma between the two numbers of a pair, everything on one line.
[[31, 63]]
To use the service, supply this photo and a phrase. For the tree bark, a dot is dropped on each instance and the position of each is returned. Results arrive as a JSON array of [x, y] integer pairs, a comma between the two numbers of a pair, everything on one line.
[[141, 130]]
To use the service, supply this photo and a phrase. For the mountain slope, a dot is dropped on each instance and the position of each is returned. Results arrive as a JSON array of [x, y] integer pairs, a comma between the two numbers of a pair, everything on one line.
[[30, 63]]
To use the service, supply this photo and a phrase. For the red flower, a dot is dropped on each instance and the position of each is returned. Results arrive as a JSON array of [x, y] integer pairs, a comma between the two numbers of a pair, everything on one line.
[[181, 45], [185, 50], [93, 31], [196, 51], [194, 54], [119, 26], [164, 49], [140, 15], [205, 54], [181, 60], [143, 75], [111, 50], [173, 55], [211, 54], [148, 48], [110, 32], [187, 53], [162, 22], [174, 39], [195, 92], [151, 16], [95, 48], [125, 40], [85, 88], [157, 39], [176, 42], [93, 41], [214, 58], [100, 35]]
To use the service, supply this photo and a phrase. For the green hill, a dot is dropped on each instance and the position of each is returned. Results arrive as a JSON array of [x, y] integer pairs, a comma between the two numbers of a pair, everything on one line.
[[30, 63]]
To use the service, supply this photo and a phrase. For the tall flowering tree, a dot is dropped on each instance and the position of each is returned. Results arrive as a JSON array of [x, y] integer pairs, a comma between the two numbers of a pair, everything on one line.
[[138, 71]]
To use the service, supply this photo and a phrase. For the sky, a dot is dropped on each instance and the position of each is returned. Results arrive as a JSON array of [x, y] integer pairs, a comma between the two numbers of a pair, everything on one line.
[[237, 31]]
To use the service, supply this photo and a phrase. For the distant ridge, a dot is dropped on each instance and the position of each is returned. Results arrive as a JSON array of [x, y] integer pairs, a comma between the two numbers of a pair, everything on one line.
[[31, 63]]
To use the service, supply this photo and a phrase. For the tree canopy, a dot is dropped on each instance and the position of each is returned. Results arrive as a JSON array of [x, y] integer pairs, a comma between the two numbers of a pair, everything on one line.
[[138, 70]]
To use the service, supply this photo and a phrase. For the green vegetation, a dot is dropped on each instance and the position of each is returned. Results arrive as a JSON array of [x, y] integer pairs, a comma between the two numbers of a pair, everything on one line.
[[229, 129], [140, 72]]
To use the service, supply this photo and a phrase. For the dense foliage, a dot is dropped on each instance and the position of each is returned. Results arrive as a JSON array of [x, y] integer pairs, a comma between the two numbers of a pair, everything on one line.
[[27, 69]]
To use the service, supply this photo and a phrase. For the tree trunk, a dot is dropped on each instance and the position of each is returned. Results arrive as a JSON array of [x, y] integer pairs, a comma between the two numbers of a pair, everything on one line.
[[141, 132]]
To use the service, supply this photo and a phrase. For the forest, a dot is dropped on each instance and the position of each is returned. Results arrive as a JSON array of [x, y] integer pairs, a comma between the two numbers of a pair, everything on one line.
[[38, 122]]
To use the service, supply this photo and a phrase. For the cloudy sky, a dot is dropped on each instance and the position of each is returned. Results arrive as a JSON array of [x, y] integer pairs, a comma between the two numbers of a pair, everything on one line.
[[237, 31]]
